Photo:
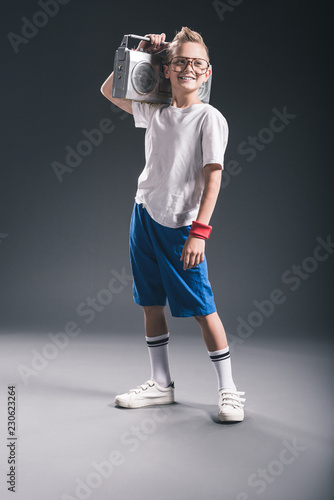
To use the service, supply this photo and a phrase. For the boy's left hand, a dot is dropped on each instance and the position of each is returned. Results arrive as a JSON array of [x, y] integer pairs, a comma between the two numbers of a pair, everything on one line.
[[192, 252]]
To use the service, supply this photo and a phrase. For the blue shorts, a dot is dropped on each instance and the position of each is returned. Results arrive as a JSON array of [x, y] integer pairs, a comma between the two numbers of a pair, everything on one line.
[[157, 270]]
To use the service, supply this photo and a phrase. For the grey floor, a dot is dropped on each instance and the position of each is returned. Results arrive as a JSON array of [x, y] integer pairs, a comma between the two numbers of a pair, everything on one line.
[[73, 443]]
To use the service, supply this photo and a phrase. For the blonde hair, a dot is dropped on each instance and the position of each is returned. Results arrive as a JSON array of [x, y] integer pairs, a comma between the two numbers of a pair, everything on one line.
[[184, 35]]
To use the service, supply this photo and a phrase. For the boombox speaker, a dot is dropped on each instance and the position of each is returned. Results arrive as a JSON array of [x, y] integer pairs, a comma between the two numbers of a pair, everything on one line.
[[139, 76]]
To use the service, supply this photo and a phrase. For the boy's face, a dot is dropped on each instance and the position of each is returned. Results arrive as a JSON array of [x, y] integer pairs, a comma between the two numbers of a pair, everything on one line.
[[192, 50]]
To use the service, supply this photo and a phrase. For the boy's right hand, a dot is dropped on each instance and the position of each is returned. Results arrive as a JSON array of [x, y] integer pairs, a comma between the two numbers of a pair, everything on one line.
[[156, 44]]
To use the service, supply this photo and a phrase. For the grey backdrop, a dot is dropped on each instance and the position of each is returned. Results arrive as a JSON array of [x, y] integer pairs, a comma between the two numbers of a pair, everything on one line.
[[270, 255], [60, 240]]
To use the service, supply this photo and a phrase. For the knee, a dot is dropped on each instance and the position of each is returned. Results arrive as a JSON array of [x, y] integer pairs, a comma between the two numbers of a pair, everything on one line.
[[206, 319], [201, 319], [153, 310]]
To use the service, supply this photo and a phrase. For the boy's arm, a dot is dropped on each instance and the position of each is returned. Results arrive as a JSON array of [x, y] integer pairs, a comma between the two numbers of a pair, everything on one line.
[[212, 182], [106, 90], [193, 249]]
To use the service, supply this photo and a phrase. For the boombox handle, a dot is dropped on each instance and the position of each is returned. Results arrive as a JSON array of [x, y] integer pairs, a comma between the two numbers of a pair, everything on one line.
[[125, 40]]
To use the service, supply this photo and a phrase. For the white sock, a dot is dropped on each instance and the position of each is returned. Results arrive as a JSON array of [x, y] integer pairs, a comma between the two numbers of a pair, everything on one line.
[[158, 351], [222, 362]]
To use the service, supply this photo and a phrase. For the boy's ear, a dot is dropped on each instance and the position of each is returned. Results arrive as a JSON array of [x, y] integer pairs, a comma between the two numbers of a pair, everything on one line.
[[166, 70], [207, 74]]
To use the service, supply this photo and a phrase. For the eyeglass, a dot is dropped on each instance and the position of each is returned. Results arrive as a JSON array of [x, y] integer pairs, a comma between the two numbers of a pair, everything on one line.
[[178, 64]]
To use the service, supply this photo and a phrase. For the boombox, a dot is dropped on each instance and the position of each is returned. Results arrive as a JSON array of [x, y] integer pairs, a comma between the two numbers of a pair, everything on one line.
[[139, 76]]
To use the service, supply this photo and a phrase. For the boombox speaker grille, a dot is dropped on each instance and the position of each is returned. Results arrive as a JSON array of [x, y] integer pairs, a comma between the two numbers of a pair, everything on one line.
[[143, 78]]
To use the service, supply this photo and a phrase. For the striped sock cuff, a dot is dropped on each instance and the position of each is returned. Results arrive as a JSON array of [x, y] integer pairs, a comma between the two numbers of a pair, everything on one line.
[[220, 355], [158, 341]]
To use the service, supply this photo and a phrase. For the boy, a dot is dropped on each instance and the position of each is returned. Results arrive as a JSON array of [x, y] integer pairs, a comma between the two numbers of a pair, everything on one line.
[[176, 195]]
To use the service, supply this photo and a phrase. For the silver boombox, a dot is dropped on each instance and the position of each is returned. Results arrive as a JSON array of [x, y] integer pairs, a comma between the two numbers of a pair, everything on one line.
[[139, 76]]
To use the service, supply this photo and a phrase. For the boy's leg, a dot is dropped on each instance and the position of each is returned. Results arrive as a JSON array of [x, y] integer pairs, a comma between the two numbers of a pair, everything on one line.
[[215, 339], [213, 331], [159, 389], [230, 402], [157, 337], [155, 321]]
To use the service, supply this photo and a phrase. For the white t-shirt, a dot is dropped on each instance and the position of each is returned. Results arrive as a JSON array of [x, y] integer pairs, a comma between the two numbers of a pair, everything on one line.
[[179, 142]]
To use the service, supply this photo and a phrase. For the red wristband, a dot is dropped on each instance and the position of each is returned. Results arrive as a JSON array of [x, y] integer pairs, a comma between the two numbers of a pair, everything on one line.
[[200, 230]]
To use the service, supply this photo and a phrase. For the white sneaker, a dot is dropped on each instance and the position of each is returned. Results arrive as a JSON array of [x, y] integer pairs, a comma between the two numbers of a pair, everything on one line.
[[230, 406], [147, 394]]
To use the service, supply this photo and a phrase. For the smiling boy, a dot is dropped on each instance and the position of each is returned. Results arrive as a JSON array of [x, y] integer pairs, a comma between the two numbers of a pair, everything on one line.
[[185, 142]]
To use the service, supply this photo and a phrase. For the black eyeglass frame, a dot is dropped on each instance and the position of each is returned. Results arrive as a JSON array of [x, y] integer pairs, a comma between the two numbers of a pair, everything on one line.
[[192, 59]]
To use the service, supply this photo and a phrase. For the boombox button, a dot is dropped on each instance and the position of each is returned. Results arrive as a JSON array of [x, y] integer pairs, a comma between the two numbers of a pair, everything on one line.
[[120, 67]]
